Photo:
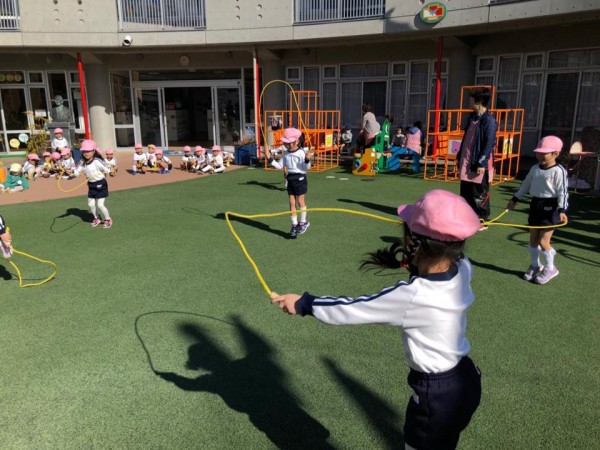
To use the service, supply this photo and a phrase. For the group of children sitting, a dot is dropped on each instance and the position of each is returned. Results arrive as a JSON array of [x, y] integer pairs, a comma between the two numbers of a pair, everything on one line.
[[202, 162]]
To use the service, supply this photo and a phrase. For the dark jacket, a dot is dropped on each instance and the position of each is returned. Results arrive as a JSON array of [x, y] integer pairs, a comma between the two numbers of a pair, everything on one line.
[[485, 140]]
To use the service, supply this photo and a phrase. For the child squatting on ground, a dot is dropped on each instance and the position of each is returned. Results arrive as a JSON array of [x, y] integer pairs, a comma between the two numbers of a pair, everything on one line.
[[295, 163], [93, 167], [431, 312], [547, 183]]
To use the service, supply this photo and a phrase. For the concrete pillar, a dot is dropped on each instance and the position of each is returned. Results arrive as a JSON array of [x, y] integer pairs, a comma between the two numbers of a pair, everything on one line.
[[100, 105]]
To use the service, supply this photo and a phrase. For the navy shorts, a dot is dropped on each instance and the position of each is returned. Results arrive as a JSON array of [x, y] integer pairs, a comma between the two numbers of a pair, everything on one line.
[[543, 211], [98, 189], [297, 184], [441, 406]]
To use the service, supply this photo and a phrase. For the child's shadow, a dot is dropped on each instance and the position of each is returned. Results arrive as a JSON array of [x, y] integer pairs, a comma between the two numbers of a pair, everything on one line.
[[4, 274], [255, 224], [272, 186], [84, 215], [254, 385]]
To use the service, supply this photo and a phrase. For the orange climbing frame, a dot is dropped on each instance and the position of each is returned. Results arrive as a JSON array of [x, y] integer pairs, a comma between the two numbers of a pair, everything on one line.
[[321, 128], [440, 162]]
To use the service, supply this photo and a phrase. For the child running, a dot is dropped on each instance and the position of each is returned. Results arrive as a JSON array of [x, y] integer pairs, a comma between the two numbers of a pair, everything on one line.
[[94, 169], [548, 186], [431, 312], [295, 163]]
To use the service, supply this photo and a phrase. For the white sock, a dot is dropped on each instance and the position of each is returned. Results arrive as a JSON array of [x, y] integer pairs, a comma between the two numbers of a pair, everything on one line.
[[303, 215], [549, 257], [535, 255], [103, 209], [294, 220], [92, 206]]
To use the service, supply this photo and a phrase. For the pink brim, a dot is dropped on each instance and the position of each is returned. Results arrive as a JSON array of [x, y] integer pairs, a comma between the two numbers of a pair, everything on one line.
[[546, 150], [404, 211]]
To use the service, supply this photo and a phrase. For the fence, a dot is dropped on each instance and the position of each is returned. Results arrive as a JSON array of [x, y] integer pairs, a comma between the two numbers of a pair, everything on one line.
[[157, 15], [311, 11], [9, 15]]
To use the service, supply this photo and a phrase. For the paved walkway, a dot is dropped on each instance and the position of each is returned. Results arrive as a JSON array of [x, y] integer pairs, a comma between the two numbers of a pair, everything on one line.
[[47, 188]]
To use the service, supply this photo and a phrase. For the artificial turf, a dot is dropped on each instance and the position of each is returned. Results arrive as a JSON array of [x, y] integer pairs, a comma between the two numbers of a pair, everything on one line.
[[168, 290]]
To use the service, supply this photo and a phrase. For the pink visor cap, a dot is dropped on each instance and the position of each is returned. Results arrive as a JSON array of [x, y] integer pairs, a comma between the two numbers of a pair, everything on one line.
[[549, 144], [441, 215], [88, 146], [58, 130], [291, 135]]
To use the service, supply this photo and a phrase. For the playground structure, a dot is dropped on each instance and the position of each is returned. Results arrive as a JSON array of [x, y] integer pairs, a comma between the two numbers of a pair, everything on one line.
[[375, 158], [321, 129], [445, 133]]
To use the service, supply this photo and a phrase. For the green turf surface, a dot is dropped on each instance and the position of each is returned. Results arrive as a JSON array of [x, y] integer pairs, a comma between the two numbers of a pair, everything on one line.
[[168, 288]]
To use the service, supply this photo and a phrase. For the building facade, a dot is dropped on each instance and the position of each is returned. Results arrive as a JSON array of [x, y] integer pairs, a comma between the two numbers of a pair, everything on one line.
[[182, 72]]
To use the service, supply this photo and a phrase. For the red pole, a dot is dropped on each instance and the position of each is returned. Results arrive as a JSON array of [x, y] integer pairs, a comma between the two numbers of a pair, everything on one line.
[[86, 119], [257, 102], [438, 94]]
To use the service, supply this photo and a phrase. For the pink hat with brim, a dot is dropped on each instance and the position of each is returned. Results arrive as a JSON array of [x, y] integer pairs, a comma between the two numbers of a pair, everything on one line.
[[47, 154], [55, 156], [291, 135], [58, 130], [441, 215], [549, 144], [88, 146], [64, 152], [187, 148], [109, 151], [138, 146], [216, 148], [33, 157], [198, 148], [159, 151]]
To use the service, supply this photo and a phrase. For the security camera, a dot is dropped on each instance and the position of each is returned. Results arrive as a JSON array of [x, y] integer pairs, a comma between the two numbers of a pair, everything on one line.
[[127, 40]]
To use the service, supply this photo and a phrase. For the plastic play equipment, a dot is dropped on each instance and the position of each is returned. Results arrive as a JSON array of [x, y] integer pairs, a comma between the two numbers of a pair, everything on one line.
[[440, 158], [320, 127], [376, 158]]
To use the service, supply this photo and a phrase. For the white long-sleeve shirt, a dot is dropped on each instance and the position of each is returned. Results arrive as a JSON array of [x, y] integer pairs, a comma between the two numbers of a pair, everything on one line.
[[94, 171], [430, 311], [549, 182], [293, 161]]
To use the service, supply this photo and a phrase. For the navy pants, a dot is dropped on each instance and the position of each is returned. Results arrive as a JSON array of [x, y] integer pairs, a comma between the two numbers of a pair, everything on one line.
[[441, 406]]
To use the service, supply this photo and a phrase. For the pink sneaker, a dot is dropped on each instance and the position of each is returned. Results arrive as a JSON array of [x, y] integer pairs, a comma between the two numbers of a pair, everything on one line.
[[96, 222], [107, 223]]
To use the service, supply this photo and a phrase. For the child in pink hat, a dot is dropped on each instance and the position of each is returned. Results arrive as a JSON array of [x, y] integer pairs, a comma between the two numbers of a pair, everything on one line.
[[58, 141], [140, 160], [547, 183], [67, 163], [295, 163], [111, 161], [430, 310], [188, 161], [215, 163], [201, 160], [32, 168], [92, 165]]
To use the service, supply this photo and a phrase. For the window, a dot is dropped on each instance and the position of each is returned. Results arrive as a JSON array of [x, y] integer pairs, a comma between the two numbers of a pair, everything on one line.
[[485, 64], [398, 102], [329, 96], [530, 98], [398, 69], [574, 58], [36, 77], [330, 72], [293, 73], [508, 82], [534, 61], [364, 70], [418, 91], [588, 113]]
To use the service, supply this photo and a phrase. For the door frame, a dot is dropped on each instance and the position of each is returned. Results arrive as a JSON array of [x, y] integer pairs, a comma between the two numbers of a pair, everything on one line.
[[547, 74], [161, 85]]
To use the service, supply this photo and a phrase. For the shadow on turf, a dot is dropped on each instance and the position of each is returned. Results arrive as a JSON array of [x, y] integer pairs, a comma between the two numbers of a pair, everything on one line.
[[380, 414], [271, 186], [84, 215], [5, 274], [518, 273], [381, 208], [254, 385], [253, 223]]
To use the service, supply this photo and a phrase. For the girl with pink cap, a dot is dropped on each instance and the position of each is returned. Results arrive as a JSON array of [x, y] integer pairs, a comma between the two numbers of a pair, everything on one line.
[[95, 170], [295, 163], [548, 186], [140, 160], [201, 160], [188, 161], [216, 164], [58, 141], [32, 168], [67, 163], [111, 161], [430, 310]]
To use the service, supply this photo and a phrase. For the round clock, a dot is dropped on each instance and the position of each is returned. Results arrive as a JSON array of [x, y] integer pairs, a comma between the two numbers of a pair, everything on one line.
[[184, 60]]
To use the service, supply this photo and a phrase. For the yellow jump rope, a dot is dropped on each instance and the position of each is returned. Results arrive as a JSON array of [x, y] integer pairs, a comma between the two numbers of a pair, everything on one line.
[[340, 210], [43, 261]]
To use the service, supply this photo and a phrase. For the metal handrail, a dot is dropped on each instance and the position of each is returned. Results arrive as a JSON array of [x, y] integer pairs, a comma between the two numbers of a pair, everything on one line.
[[9, 15], [315, 11], [161, 15]]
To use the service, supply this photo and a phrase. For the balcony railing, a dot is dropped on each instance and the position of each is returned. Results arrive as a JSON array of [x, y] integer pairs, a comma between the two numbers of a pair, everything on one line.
[[161, 15], [315, 11], [9, 15]]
